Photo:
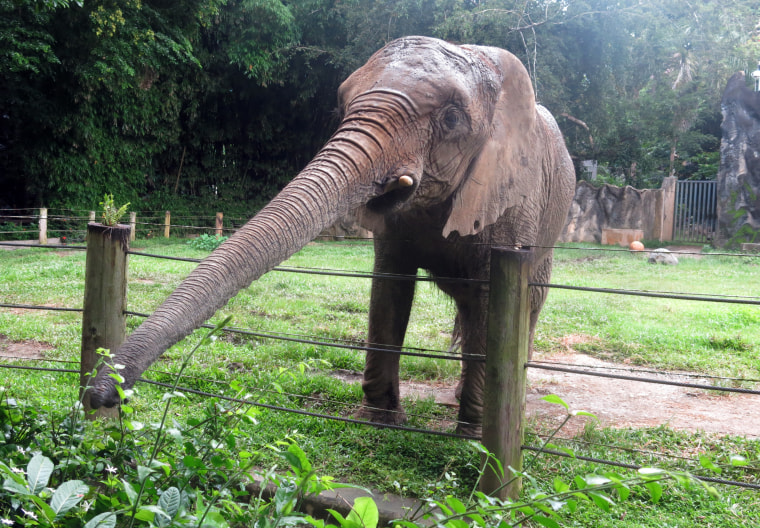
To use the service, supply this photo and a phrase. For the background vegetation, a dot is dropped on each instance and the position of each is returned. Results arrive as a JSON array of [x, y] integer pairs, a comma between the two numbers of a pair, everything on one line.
[[214, 105]]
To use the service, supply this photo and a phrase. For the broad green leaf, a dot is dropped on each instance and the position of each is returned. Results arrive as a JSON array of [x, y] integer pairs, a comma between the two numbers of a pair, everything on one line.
[[364, 512], [582, 413], [623, 491], [650, 473], [130, 491], [601, 500], [133, 425], [67, 496], [43, 507], [143, 473], [285, 497], [214, 519], [103, 520], [38, 473], [170, 501], [456, 505], [193, 462], [706, 463], [545, 521], [596, 480], [406, 524], [303, 465], [17, 477], [553, 398], [560, 486], [344, 523], [544, 508], [160, 517], [738, 460], [144, 514], [16, 487], [526, 510], [655, 491]]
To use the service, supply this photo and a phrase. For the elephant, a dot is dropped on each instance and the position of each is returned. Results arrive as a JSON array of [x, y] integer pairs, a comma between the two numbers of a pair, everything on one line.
[[442, 151]]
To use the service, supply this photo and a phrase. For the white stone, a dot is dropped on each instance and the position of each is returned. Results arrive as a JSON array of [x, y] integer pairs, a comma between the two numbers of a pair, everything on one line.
[[662, 256]]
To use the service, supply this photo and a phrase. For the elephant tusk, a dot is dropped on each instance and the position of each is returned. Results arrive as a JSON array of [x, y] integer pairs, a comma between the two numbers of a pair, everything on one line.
[[399, 183]]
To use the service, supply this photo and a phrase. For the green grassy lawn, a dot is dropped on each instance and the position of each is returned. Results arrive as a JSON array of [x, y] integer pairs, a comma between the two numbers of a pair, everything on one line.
[[719, 339]]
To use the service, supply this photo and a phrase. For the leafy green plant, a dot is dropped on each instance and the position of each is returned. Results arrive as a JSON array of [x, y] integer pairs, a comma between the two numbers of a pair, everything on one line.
[[206, 242], [112, 214], [31, 495], [13, 231]]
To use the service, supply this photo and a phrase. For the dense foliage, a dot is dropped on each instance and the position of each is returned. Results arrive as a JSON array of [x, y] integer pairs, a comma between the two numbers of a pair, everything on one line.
[[215, 105]]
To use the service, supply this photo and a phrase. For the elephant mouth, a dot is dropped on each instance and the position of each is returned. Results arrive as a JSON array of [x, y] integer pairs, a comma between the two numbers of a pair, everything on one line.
[[394, 192]]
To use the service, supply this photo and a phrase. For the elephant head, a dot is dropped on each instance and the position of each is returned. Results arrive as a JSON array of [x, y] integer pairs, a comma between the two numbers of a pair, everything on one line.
[[443, 136]]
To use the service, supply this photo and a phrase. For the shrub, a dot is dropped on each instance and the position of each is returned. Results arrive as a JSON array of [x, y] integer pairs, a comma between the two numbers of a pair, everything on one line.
[[207, 242]]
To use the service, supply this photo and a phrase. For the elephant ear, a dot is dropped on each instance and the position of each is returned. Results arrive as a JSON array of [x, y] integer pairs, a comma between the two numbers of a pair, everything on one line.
[[507, 168]]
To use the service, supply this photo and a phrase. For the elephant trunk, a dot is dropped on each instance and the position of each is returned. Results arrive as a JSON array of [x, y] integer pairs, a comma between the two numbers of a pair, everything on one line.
[[334, 183]]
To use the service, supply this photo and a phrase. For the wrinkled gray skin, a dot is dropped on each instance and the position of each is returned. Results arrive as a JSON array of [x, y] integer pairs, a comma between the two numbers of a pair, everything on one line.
[[487, 166]]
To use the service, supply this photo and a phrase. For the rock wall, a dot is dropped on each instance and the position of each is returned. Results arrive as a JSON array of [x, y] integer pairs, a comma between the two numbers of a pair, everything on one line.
[[596, 208], [739, 174]]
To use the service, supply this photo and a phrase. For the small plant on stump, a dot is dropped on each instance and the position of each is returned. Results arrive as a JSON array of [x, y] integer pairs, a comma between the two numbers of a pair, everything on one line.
[[111, 213]]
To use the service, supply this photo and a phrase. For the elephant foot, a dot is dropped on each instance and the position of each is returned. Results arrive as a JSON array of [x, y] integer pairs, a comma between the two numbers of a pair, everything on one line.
[[395, 416], [470, 429]]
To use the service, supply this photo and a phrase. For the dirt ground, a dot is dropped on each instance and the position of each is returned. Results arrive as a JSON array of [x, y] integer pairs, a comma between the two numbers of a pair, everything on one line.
[[614, 402], [622, 403]]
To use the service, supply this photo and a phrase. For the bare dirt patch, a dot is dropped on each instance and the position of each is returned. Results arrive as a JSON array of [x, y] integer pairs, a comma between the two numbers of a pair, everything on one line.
[[10, 350], [614, 402], [624, 403]]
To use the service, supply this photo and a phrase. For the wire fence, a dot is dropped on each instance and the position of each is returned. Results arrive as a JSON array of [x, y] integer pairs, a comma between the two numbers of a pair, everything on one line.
[[655, 376]]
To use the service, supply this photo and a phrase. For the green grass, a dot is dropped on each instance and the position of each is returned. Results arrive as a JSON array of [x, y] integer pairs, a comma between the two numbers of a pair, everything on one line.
[[720, 339]]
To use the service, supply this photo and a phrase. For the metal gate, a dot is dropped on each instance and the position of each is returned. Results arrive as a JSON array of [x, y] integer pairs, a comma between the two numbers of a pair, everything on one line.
[[695, 211]]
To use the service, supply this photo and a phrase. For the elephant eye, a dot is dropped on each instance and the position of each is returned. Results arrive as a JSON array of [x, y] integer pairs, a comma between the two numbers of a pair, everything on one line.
[[452, 118]]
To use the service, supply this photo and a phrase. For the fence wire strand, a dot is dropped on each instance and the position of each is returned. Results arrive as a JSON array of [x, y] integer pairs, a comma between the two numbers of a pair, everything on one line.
[[425, 353], [634, 467], [558, 368]]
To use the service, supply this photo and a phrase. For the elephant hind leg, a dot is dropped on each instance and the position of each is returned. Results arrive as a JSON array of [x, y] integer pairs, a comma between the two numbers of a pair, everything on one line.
[[542, 275], [471, 318]]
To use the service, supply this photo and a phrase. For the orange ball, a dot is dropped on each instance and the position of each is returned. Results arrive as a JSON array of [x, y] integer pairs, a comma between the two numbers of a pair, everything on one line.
[[636, 246]]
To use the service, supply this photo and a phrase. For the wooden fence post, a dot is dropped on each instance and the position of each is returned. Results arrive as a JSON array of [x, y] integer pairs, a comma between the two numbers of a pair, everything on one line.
[[132, 226], [43, 226], [219, 224], [104, 322], [167, 223], [505, 376]]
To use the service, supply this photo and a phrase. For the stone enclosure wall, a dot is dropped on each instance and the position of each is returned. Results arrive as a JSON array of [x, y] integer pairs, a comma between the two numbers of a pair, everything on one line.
[[598, 211]]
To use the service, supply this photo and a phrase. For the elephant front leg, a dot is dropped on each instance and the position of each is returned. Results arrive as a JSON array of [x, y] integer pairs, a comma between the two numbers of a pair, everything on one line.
[[390, 306]]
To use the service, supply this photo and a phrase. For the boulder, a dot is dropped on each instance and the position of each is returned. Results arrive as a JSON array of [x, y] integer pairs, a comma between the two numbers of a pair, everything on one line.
[[739, 174], [662, 256]]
